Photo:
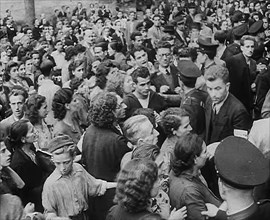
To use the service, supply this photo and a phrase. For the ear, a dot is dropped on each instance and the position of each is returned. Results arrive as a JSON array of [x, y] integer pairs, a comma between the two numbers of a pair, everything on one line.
[[23, 139], [195, 160], [67, 106], [228, 86]]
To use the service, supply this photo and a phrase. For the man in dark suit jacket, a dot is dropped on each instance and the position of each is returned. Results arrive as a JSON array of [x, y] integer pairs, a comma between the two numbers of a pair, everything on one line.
[[143, 96], [165, 79], [223, 115], [242, 69]]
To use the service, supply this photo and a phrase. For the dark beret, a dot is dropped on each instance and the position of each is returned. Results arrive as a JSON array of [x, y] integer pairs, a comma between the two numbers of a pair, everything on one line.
[[256, 27], [59, 142], [240, 164], [240, 30], [188, 69]]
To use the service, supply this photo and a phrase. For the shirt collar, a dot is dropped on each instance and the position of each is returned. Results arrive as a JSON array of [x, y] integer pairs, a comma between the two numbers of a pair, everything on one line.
[[56, 175], [219, 105], [164, 70]]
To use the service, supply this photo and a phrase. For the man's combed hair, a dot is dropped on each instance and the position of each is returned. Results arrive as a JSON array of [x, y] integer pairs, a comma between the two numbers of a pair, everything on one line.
[[217, 72]]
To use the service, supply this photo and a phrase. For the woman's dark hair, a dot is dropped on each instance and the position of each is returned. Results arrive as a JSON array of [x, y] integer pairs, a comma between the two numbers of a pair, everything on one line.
[[117, 46], [134, 184], [70, 52], [61, 97], [101, 110], [17, 131], [33, 104], [73, 66], [115, 83], [187, 148], [9, 66], [22, 52]]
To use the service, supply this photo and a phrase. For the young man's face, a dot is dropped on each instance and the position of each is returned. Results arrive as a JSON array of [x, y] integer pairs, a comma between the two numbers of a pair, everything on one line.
[[217, 90], [63, 163], [138, 41], [16, 104], [99, 53], [141, 58], [164, 57], [248, 48], [35, 59], [143, 86]]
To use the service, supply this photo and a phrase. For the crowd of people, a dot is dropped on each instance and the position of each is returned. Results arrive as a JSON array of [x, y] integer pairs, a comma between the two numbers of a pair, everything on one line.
[[104, 115]]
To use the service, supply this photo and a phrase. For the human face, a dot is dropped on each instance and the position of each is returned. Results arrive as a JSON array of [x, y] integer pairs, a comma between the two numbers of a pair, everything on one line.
[[5, 155], [63, 163], [150, 134], [90, 37], [73, 105], [132, 16], [156, 21], [43, 111], [16, 104], [265, 23], [14, 73], [248, 48], [138, 41], [111, 52], [99, 52], [224, 26], [95, 66], [217, 90], [257, 6], [35, 59], [128, 86], [59, 46], [28, 65], [21, 70], [32, 134], [143, 86], [183, 128], [201, 58], [29, 34], [40, 79], [78, 72], [141, 58], [120, 111], [164, 56], [200, 160]]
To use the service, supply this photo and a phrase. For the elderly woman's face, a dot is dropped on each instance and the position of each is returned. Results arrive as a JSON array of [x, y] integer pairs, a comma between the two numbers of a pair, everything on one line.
[[150, 133]]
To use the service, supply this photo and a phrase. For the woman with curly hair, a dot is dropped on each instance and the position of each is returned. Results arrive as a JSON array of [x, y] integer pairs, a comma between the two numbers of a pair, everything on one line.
[[187, 186], [36, 112], [137, 183], [175, 123], [65, 105], [103, 146]]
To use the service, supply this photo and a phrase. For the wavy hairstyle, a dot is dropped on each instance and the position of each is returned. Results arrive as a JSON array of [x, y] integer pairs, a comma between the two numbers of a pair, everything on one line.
[[17, 131], [33, 104], [115, 83], [134, 184], [171, 120], [61, 97], [187, 148], [101, 112]]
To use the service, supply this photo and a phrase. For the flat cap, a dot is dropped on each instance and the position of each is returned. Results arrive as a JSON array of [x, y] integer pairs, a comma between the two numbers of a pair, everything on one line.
[[188, 69], [256, 27], [59, 142], [240, 164], [240, 30]]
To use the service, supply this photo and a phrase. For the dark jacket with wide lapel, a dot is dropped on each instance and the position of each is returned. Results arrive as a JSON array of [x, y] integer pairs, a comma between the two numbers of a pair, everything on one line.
[[232, 115], [158, 80], [241, 78], [156, 102]]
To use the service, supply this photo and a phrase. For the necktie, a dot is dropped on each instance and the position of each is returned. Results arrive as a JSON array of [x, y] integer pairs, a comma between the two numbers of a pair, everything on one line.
[[167, 72]]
